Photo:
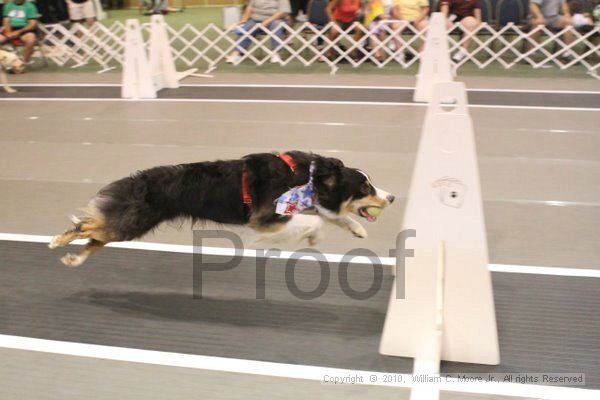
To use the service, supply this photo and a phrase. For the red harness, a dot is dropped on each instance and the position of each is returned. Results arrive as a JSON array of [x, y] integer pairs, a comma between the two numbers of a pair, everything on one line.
[[286, 158]]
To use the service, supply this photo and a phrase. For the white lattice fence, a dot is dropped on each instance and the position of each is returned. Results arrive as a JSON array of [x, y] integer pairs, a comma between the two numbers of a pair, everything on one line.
[[396, 43]]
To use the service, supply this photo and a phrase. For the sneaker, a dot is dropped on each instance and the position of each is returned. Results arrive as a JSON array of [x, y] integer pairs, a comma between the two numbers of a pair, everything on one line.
[[275, 59], [568, 55], [459, 55], [233, 58], [400, 57], [537, 54]]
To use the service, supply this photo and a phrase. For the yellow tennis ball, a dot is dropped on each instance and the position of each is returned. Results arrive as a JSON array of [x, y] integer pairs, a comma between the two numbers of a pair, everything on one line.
[[374, 211]]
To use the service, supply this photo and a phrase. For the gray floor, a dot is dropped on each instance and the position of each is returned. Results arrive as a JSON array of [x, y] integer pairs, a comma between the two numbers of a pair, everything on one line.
[[539, 168], [128, 298], [63, 377], [540, 171]]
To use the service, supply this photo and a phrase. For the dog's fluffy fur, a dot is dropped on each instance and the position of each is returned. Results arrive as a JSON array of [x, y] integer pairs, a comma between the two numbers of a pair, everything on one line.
[[130, 207], [9, 62]]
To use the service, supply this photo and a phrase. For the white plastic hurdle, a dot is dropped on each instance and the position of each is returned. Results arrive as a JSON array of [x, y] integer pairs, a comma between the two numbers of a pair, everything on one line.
[[144, 76], [447, 312], [435, 63]]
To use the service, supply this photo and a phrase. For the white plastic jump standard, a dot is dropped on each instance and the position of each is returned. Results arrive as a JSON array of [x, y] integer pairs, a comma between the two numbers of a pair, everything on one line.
[[162, 65], [435, 63], [137, 80], [448, 310]]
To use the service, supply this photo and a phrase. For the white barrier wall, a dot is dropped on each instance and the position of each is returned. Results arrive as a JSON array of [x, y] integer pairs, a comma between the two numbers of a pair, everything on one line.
[[209, 45]]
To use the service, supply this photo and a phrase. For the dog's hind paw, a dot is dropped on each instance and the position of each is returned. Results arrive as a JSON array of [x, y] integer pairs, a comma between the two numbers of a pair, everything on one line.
[[72, 260], [55, 242]]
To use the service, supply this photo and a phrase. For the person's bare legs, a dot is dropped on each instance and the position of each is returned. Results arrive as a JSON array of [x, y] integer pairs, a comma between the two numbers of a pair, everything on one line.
[[397, 28], [562, 23], [357, 52], [28, 40], [469, 24], [535, 24], [333, 34], [422, 24]]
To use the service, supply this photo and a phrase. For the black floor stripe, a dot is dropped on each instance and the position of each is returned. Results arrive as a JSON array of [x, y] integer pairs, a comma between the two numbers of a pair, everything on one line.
[[498, 98]]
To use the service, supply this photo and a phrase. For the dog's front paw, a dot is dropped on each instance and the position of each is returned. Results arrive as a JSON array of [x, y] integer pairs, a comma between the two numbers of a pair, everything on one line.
[[72, 260], [359, 231]]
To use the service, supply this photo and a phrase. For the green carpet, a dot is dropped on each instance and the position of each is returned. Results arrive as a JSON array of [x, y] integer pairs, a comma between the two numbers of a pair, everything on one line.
[[199, 16]]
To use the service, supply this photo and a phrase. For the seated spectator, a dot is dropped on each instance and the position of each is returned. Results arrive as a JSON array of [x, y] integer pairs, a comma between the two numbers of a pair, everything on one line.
[[412, 11], [468, 14], [261, 13], [80, 10], [344, 13], [374, 16], [548, 13], [19, 25]]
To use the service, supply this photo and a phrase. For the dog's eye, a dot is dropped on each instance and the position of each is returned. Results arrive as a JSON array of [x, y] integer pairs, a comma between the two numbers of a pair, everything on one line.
[[365, 188]]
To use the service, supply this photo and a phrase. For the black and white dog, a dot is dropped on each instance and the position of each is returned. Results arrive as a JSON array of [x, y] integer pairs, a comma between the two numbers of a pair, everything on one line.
[[240, 192]]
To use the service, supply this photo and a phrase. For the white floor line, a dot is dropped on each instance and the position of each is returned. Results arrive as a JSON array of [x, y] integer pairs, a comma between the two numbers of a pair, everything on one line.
[[259, 85], [345, 103], [285, 255], [306, 372]]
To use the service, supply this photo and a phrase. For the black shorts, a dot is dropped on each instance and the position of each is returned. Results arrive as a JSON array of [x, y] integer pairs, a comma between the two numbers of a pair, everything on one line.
[[298, 5], [17, 41]]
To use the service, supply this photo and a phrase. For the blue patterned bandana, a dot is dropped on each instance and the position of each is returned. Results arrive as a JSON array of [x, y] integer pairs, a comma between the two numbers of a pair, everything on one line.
[[299, 198]]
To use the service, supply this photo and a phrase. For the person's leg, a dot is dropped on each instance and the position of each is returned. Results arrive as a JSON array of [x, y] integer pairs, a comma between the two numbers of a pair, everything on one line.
[[534, 25], [421, 25], [356, 35], [562, 23], [397, 28], [276, 27], [28, 40], [469, 24], [244, 41], [333, 34], [295, 8], [89, 13], [375, 38]]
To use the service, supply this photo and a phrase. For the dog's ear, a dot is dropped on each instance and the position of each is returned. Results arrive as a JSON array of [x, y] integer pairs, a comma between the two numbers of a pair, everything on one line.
[[329, 171]]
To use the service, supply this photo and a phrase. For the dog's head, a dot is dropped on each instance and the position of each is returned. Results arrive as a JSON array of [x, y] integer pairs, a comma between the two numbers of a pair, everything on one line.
[[11, 62], [344, 190]]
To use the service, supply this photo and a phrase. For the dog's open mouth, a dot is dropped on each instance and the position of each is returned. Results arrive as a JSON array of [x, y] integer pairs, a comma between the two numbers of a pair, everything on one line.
[[370, 213]]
